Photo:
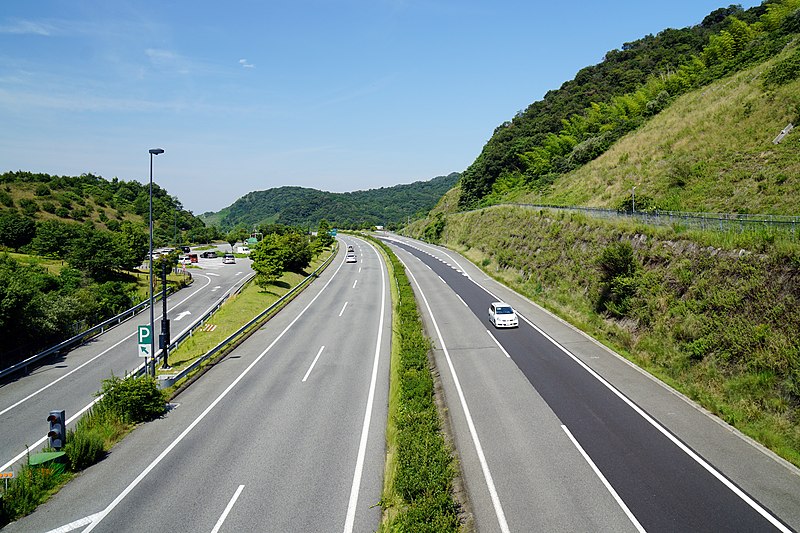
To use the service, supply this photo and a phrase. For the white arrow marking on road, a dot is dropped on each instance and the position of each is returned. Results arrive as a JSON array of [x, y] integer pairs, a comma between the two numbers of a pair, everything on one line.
[[216, 288], [85, 521], [212, 274], [181, 315]]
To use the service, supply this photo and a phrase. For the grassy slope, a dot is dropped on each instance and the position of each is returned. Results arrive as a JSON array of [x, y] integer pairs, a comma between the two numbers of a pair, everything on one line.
[[711, 150]]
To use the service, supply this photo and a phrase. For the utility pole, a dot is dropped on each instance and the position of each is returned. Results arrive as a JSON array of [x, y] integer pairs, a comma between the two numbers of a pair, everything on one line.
[[164, 341]]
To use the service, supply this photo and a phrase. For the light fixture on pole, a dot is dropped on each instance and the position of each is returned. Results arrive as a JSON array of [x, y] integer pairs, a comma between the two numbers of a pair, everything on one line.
[[153, 151]]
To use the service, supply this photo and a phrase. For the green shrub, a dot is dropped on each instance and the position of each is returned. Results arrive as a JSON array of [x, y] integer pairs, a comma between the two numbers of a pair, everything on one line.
[[6, 199], [618, 267], [131, 400], [85, 446], [29, 488], [784, 71]]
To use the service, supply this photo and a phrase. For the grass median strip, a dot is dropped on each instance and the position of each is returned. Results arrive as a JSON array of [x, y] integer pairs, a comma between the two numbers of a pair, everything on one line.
[[420, 466]]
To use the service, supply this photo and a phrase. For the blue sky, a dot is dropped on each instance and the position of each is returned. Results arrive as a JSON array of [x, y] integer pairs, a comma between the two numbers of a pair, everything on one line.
[[338, 95]]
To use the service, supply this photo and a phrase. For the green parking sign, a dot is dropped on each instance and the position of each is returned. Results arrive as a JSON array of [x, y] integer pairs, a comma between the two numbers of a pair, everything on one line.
[[145, 341]]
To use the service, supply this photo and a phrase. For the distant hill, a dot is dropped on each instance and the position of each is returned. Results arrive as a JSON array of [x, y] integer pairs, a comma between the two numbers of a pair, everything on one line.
[[300, 206], [98, 202]]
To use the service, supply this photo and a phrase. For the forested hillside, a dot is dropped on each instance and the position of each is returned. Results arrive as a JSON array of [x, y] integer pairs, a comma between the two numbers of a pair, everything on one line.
[[580, 121], [100, 203], [69, 246], [299, 206]]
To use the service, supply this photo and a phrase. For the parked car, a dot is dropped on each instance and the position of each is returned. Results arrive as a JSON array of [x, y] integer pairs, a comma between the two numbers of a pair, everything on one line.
[[209, 254], [502, 315], [186, 249], [228, 259]]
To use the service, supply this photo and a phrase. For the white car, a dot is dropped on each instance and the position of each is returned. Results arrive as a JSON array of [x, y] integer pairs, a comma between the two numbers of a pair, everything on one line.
[[502, 315], [228, 259], [350, 258]]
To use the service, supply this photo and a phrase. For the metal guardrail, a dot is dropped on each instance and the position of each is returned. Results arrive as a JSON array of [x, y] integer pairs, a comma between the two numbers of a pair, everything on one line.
[[80, 338], [170, 379], [739, 222]]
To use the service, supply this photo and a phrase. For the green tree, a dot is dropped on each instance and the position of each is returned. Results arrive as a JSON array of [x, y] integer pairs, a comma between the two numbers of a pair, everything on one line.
[[232, 238], [131, 244], [93, 253], [16, 230], [53, 237], [324, 233], [298, 252], [268, 260]]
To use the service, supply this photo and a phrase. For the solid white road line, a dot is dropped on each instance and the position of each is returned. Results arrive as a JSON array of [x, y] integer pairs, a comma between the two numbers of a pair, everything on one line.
[[608, 486], [362, 446], [202, 415], [462, 301], [498, 507], [313, 363], [498, 343], [227, 509], [343, 308]]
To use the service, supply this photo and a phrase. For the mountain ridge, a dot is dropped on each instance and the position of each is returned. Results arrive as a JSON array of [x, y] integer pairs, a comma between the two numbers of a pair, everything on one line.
[[304, 206]]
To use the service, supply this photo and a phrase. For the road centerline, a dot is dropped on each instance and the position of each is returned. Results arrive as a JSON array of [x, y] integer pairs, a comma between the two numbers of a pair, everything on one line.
[[227, 510]]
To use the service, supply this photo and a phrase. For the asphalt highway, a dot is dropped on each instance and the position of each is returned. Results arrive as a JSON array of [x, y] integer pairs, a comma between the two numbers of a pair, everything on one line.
[[557, 433], [284, 434]]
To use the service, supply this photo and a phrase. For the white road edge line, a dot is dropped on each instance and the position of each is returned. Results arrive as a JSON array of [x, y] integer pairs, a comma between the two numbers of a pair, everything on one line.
[[313, 363], [498, 507], [362, 446], [202, 415], [699, 460], [462, 300], [227, 510], [608, 486], [343, 308], [498, 343]]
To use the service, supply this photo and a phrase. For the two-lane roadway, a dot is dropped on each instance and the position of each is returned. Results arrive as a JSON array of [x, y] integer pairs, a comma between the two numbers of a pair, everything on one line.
[[557, 433]]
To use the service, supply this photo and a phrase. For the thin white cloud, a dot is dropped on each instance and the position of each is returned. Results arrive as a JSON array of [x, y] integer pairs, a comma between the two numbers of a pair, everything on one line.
[[167, 59], [245, 64], [27, 27]]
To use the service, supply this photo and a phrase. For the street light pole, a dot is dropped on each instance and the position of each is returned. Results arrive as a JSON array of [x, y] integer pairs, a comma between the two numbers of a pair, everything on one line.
[[633, 199], [153, 151]]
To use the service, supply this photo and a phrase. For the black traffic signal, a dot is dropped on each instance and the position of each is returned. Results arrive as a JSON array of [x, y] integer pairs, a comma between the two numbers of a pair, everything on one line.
[[58, 429]]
